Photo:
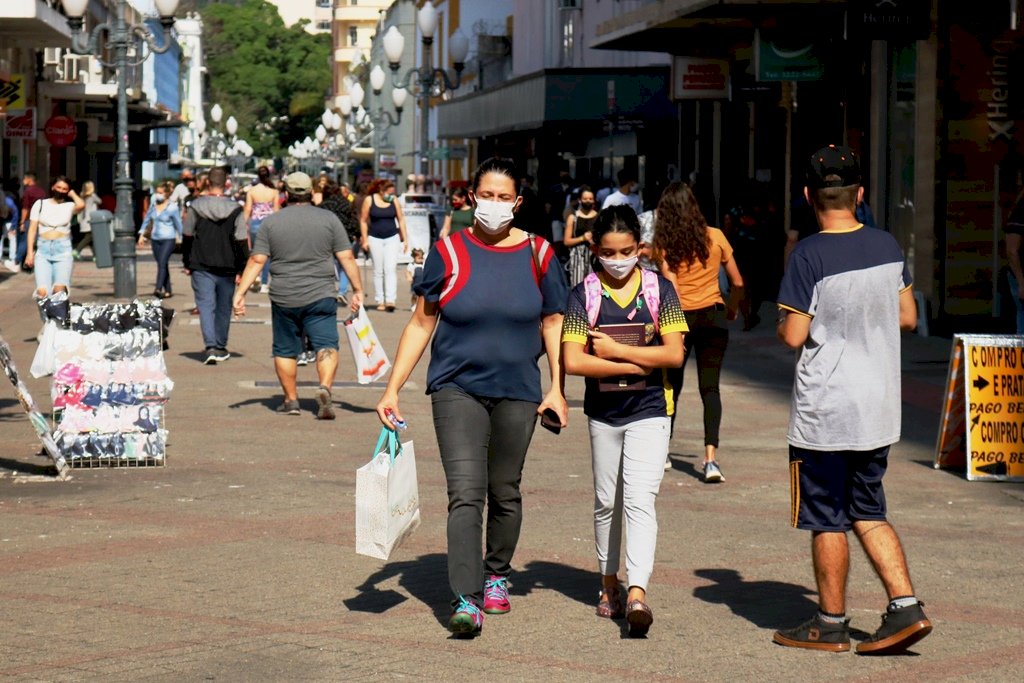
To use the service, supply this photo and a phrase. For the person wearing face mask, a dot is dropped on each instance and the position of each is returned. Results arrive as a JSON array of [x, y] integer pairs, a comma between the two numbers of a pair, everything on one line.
[[691, 255], [162, 228], [485, 293], [578, 236], [460, 216], [626, 194], [50, 222], [382, 227], [623, 329]]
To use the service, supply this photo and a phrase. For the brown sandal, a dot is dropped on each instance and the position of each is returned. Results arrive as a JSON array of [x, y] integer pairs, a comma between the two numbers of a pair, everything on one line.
[[639, 617], [610, 608]]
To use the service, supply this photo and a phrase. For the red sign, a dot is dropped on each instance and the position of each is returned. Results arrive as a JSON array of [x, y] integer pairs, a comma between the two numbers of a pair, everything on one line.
[[60, 130], [22, 126]]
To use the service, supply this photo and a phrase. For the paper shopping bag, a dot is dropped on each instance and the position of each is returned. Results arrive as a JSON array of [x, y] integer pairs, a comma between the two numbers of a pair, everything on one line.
[[371, 361], [387, 497]]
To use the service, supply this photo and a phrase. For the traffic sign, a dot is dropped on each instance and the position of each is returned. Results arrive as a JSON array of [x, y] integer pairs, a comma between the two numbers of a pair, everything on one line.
[[982, 425]]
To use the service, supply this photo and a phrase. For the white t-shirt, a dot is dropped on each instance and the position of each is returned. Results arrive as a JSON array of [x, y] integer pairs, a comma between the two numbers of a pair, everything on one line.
[[53, 217], [630, 200]]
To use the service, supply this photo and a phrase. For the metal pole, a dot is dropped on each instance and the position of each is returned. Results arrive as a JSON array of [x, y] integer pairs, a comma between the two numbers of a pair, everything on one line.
[[425, 82], [123, 248]]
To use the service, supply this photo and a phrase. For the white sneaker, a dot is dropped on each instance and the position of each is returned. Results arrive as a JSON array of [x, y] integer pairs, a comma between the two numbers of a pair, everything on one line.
[[11, 266], [712, 472], [264, 289], [668, 464]]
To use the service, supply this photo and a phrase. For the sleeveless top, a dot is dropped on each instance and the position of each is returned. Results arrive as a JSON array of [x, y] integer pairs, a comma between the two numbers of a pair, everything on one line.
[[261, 210], [382, 221]]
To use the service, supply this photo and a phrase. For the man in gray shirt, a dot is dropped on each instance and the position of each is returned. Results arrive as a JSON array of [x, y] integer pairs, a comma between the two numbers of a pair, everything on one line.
[[301, 242]]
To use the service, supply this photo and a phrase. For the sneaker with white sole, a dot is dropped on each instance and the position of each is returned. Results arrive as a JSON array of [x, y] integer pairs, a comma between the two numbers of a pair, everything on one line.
[[324, 404], [668, 464], [713, 473]]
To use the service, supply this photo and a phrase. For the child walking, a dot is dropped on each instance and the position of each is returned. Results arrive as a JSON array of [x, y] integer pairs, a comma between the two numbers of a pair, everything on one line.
[[623, 326], [414, 274]]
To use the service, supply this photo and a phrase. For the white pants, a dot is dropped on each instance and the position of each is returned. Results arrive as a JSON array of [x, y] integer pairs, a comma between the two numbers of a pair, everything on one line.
[[384, 253], [629, 462]]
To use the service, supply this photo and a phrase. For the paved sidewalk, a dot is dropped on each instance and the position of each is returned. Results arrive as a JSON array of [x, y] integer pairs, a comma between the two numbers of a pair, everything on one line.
[[235, 562]]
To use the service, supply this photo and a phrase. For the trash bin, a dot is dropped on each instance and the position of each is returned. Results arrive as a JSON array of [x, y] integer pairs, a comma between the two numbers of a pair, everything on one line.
[[102, 223]]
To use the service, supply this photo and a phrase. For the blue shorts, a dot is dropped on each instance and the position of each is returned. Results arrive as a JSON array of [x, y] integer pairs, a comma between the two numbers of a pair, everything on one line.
[[318, 321], [830, 490]]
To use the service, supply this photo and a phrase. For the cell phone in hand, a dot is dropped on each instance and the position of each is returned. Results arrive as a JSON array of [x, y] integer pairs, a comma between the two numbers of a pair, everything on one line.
[[550, 421]]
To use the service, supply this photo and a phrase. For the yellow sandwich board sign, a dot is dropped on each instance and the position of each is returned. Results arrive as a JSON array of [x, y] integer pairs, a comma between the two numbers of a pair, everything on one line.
[[983, 412]]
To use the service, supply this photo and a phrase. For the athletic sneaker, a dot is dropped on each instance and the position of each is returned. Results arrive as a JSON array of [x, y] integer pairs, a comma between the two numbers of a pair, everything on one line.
[[289, 408], [668, 463], [496, 595], [324, 405], [220, 355], [815, 634], [264, 289], [901, 628], [210, 357], [11, 266], [712, 472], [466, 619], [305, 358]]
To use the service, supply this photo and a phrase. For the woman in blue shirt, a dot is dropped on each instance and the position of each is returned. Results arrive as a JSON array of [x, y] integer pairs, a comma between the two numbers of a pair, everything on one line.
[[491, 297], [163, 221]]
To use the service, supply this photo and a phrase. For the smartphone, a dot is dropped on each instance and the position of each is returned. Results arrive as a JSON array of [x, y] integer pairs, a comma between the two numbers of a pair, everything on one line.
[[550, 421]]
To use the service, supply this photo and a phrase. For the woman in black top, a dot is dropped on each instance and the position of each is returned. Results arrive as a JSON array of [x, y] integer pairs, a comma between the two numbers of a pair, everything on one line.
[[382, 228]]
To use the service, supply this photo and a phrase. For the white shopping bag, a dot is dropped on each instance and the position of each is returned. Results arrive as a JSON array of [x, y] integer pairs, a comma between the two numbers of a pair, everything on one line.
[[387, 497], [44, 362], [367, 353]]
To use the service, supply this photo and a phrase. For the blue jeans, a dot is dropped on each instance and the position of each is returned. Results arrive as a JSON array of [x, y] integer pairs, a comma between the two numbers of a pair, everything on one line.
[[213, 299], [343, 282], [254, 227], [162, 250], [1015, 293], [22, 243], [53, 264]]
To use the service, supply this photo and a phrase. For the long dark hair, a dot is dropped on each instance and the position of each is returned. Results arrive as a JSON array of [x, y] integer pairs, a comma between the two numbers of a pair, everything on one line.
[[500, 165], [263, 173], [680, 230]]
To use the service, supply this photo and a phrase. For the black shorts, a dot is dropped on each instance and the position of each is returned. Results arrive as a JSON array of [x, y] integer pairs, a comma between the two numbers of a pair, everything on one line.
[[830, 490]]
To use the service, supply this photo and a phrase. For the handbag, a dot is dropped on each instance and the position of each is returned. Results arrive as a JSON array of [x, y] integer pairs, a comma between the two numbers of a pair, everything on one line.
[[367, 353], [387, 497]]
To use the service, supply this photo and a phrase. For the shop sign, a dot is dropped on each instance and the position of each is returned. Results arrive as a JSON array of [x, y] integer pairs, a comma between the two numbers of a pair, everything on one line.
[[23, 126], [388, 160], [890, 19], [60, 130], [695, 78], [12, 91], [982, 426], [787, 57]]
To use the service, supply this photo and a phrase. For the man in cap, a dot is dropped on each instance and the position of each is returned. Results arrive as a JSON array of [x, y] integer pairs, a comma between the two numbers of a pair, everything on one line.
[[844, 298], [214, 250], [302, 241]]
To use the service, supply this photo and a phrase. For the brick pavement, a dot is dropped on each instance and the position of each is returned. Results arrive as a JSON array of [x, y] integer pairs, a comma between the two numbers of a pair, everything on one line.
[[235, 562]]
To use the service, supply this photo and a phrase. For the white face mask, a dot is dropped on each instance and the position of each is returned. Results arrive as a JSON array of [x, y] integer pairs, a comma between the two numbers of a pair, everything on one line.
[[493, 216], [158, 198], [619, 269]]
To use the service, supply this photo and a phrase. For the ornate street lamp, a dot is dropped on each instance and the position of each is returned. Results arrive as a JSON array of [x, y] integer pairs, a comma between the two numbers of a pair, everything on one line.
[[427, 79], [120, 40]]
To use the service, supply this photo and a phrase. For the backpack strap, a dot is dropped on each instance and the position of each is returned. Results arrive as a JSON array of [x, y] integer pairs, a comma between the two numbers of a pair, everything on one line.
[[592, 298], [651, 291]]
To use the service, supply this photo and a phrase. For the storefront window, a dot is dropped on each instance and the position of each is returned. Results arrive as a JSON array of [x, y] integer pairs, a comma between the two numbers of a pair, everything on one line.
[[897, 213]]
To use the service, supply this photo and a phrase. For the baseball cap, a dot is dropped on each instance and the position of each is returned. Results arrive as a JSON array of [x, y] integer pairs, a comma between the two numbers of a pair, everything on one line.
[[833, 166], [298, 183]]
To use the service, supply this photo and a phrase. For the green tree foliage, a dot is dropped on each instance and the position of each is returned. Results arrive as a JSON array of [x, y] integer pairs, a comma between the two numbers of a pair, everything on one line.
[[259, 68]]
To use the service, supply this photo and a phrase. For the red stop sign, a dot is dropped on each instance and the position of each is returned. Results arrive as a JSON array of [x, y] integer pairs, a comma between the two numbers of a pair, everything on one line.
[[60, 131]]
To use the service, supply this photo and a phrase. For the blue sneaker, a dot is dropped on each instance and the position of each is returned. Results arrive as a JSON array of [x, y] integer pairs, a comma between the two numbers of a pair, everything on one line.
[[467, 619], [496, 595]]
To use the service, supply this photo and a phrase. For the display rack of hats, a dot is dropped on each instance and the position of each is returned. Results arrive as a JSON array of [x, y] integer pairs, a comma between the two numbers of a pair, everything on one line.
[[110, 382]]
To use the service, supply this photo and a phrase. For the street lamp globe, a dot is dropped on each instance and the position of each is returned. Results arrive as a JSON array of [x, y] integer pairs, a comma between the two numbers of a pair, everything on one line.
[[200, 126], [216, 113], [344, 103], [335, 121], [398, 96], [326, 117], [377, 79], [166, 8], [231, 125], [321, 133], [458, 47], [357, 94], [427, 20], [75, 8], [394, 43]]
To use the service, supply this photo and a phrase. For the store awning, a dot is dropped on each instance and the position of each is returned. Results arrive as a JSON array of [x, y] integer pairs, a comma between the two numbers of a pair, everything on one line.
[[656, 26], [557, 96]]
